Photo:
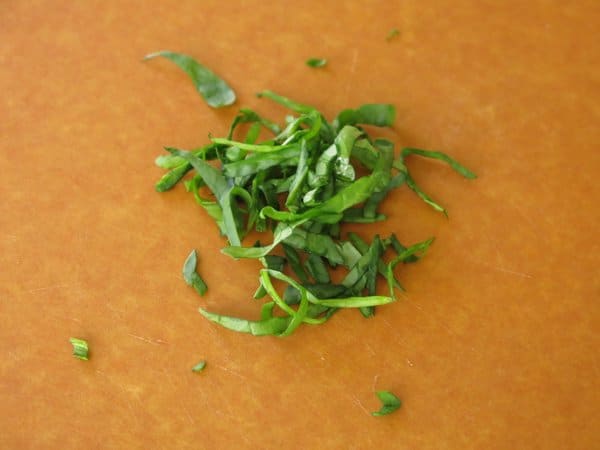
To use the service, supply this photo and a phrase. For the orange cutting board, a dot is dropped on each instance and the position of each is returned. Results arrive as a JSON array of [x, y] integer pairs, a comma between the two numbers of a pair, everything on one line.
[[495, 343]]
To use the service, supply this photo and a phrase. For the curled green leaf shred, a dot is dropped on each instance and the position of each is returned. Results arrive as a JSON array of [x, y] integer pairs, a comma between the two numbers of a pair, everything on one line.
[[215, 91]]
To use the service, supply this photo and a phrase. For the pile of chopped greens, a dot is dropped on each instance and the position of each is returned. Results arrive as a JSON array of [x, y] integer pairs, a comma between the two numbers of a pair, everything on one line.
[[299, 187]]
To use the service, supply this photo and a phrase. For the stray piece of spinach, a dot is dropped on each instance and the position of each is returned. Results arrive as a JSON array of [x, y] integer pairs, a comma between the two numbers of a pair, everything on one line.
[[214, 90], [301, 185], [80, 348], [199, 367], [399, 164], [379, 115], [393, 33], [190, 275], [389, 403], [316, 62]]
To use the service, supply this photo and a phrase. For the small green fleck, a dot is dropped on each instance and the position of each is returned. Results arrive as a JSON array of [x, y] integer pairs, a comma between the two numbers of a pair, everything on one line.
[[80, 348], [394, 33], [199, 367], [316, 62], [389, 403]]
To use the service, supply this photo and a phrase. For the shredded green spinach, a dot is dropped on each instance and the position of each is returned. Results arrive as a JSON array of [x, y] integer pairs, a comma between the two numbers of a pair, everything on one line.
[[299, 187]]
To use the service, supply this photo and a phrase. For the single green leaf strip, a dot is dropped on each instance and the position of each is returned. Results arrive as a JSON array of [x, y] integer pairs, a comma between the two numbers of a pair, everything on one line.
[[215, 91], [316, 62], [399, 248], [423, 196], [273, 326], [377, 114], [389, 403], [199, 367], [190, 275], [405, 255], [399, 165], [80, 348], [293, 257], [259, 148], [348, 302], [442, 157], [284, 101], [317, 269]]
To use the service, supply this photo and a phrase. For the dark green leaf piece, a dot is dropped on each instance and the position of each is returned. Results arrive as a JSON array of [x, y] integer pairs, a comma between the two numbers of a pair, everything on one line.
[[389, 403], [190, 275], [377, 114], [295, 262], [316, 62], [292, 296], [215, 91], [317, 269], [284, 101]]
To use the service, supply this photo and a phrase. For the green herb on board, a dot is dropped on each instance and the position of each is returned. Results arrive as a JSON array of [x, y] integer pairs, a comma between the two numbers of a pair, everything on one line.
[[316, 62], [80, 348], [214, 90], [393, 33], [199, 367], [389, 403], [190, 275]]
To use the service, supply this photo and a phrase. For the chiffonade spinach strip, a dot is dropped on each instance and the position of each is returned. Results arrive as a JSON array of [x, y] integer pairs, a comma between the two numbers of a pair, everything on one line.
[[380, 115], [215, 91], [191, 276], [420, 247]]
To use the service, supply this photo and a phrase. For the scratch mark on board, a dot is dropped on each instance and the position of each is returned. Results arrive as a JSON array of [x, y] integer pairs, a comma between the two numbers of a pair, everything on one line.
[[375, 378], [233, 372], [359, 403], [351, 72], [148, 340], [47, 288], [513, 272]]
